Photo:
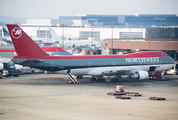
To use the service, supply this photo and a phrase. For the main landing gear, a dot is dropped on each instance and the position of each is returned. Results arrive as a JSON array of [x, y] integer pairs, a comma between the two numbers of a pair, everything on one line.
[[97, 78], [116, 78], [101, 79]]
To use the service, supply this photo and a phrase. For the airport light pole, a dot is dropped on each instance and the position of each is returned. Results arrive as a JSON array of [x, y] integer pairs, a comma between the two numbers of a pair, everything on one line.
[[112, 25], [92, 24], [62, 35], [0, 41], [46, 32]]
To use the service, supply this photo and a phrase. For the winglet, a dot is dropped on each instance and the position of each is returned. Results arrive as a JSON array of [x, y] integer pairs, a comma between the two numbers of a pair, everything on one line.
[[24, 45]]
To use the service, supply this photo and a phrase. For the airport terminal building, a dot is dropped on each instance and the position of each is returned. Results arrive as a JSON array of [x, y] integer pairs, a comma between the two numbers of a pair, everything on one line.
[[119, 21], [83, 27], [105, 21]]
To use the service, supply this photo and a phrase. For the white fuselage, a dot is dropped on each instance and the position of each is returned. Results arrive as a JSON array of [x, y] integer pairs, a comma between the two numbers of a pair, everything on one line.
[[99, 70]]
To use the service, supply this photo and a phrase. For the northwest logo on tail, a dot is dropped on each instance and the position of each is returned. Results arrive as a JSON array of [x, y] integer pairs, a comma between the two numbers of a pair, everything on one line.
[[16, 33]]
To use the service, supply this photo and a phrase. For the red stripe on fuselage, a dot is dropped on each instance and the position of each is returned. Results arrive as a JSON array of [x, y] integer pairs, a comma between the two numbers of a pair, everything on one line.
[[7, 50], [131, 55]]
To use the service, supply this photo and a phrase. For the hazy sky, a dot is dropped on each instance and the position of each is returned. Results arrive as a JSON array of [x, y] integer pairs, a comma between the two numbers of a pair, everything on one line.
[[55, 8]]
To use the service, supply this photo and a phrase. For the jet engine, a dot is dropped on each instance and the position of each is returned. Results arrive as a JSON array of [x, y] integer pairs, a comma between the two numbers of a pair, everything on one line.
[[1, 66], [140, 75], [14, 67], [18, 67]]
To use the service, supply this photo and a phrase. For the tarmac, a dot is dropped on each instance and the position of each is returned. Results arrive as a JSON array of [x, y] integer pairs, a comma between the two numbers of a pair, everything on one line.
[[48, 97]]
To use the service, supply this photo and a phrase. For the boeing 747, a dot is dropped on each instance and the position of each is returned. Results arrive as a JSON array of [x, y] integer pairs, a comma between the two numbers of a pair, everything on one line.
[[136, 65]]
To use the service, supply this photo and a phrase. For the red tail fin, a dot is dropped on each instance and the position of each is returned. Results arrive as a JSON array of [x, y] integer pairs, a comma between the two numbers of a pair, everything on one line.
[[23, 44]]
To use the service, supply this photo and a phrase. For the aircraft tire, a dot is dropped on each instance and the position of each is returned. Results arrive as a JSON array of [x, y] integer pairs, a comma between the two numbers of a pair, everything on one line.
[[101, 80], [113, 80], [117, 80], [92, 79], [79, 77], [16, 75]]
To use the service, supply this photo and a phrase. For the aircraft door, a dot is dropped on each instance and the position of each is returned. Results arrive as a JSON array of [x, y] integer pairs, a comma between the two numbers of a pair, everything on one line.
[[113, 63], [89, 64], [52, 65]]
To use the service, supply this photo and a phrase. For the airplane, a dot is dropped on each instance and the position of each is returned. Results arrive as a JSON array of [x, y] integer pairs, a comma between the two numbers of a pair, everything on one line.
[[137, 65], [75, 43], [7, 65], [5, 36]]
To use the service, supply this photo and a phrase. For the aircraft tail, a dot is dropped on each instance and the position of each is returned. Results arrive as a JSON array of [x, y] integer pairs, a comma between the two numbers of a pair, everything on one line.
[[55, 36], [5, 33], [24, 45]]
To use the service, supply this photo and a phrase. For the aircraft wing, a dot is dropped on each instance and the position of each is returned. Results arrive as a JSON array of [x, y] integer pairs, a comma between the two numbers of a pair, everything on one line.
[[120, 72], [114, 70], [26, 61], [3, 61]]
